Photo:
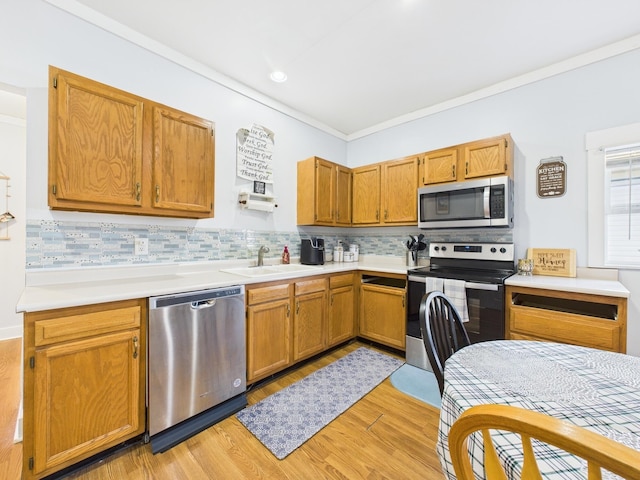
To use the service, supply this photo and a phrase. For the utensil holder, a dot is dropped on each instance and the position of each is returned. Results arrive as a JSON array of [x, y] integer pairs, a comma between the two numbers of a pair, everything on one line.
[[412, 258]]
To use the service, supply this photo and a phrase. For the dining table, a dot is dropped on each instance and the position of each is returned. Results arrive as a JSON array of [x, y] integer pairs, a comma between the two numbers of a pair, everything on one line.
[[595, 389]]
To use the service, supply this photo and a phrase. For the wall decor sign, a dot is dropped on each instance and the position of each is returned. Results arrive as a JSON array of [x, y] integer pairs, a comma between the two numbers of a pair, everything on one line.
[[559, 262], [254, 154], [551, 177]]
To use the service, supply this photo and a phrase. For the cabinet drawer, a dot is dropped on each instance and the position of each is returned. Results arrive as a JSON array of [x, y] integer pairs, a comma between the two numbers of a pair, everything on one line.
[[266, 294], [341, 280], [72, 324], [565, 328], [310, 286]]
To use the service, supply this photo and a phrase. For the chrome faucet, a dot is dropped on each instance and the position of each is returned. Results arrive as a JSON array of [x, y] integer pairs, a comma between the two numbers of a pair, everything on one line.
[[261, 253]]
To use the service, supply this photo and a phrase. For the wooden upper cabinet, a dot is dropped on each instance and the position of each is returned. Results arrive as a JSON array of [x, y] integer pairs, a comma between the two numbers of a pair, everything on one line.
[[386, 193], [399, 191], [482, 158], [324, 193], [113, 152], [487, 157], [183, 173], [343, 195], [366, 195], [440, 166], [95, 152]]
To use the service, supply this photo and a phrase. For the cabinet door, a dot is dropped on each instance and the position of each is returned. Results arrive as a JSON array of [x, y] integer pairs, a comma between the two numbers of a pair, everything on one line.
[[309, 325], [183, 162], [400, 191], [341, 325], [86, 397], [325, 192], [95, 156], [268, 338], [366, 195], [485, 158], [440, 166], [343, 196], [382, 315]]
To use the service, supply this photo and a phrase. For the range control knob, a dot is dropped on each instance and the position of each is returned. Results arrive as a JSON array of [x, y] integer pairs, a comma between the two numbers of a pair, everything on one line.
[[444, 249], [493, 249], [436, 248], [503, 250]]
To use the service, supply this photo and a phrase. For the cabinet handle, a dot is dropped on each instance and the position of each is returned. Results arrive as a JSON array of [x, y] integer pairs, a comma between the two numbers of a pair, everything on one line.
[[288, 310], [135, 347], [138, 191], [453, 171], [297, 307], [386, 214], [331, 299], [466, 168], [157, 193], [377, 215]]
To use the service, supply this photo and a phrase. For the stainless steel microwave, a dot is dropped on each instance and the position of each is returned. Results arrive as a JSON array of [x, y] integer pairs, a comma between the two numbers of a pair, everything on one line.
[[486, 202]]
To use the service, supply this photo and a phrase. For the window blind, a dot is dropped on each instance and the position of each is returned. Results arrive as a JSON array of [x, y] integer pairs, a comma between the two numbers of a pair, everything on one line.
[[622, 205]]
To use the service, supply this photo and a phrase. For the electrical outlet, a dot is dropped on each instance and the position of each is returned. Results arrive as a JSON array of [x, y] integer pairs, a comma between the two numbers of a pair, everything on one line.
[[141, 246]]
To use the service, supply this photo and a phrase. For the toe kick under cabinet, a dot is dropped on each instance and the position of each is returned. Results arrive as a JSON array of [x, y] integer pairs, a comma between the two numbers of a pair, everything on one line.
[[590, 320]]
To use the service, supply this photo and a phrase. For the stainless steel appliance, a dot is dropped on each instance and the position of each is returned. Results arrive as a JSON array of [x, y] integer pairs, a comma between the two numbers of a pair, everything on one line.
[[483, 267], [196, 368], [312, 251], [487, 202]]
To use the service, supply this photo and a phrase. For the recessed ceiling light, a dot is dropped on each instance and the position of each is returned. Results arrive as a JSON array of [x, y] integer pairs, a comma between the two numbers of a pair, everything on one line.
[[278, 76]]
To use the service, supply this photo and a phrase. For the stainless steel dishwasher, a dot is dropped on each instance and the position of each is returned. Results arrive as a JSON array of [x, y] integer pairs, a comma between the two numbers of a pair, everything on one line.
[[196, 368]]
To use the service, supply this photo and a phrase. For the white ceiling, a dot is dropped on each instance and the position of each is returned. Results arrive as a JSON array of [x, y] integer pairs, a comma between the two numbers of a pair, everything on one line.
[[355, 66]]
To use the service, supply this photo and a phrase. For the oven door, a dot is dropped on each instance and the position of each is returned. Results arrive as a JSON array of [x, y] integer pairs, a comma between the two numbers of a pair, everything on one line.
[[485, 304]]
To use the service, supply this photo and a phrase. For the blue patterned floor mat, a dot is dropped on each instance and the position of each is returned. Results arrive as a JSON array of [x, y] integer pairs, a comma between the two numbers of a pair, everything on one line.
[[288, 418]]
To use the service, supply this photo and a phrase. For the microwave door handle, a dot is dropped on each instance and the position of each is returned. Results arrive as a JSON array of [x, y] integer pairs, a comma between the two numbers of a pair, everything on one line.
[[485, 202]]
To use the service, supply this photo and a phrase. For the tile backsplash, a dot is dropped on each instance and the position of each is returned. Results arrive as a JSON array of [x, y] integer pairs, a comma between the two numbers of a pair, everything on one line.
[[56, 244]]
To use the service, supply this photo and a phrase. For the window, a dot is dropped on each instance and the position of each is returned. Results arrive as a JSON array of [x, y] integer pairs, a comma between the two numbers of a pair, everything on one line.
[[614, 197]]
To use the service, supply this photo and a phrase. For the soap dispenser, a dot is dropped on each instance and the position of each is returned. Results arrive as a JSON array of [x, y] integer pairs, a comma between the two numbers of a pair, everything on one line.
[[285, 255]]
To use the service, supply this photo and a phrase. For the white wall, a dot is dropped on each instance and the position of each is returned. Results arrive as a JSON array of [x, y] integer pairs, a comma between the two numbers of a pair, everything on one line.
[[547, 118], [13, 143]]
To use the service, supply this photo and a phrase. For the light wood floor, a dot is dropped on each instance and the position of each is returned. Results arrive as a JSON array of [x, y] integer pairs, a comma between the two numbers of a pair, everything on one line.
[[386, 435]]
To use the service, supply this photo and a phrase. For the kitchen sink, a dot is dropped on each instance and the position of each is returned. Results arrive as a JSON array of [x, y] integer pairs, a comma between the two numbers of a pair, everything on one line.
[[269, 269]]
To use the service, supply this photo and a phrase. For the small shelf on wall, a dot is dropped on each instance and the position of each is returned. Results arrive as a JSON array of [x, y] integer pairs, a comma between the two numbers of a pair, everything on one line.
[[6, 217], [257, 201]]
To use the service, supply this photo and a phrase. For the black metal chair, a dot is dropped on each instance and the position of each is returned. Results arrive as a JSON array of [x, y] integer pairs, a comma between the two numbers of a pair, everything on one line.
[[442, 331]]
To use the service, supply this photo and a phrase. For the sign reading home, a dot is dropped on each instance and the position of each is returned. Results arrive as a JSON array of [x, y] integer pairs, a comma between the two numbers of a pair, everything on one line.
[[254, 154], [552, 177], [559, 262]]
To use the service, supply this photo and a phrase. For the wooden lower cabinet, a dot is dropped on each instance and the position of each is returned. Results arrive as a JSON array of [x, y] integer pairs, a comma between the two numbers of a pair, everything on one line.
[[309, 319], [342, 301], [383, 314], [589, 320], [293, 320], [268, 330], [84, 382]]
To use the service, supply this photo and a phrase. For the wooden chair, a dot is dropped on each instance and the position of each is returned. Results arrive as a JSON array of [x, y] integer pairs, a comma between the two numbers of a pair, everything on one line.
[[599, 451], [442, 331]]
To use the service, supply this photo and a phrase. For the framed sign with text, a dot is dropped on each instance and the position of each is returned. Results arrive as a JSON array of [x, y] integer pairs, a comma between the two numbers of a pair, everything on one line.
[[254, 154], [551, 177]]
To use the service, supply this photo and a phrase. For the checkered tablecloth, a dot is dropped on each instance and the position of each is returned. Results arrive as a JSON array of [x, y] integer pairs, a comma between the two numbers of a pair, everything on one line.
[[592, 388]]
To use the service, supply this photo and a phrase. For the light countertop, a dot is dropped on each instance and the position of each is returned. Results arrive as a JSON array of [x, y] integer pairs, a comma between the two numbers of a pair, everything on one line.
[[59, 288], [589, 285]]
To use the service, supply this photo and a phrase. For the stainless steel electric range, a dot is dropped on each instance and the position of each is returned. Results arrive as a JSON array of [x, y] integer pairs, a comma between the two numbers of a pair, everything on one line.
[[483, 267]]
